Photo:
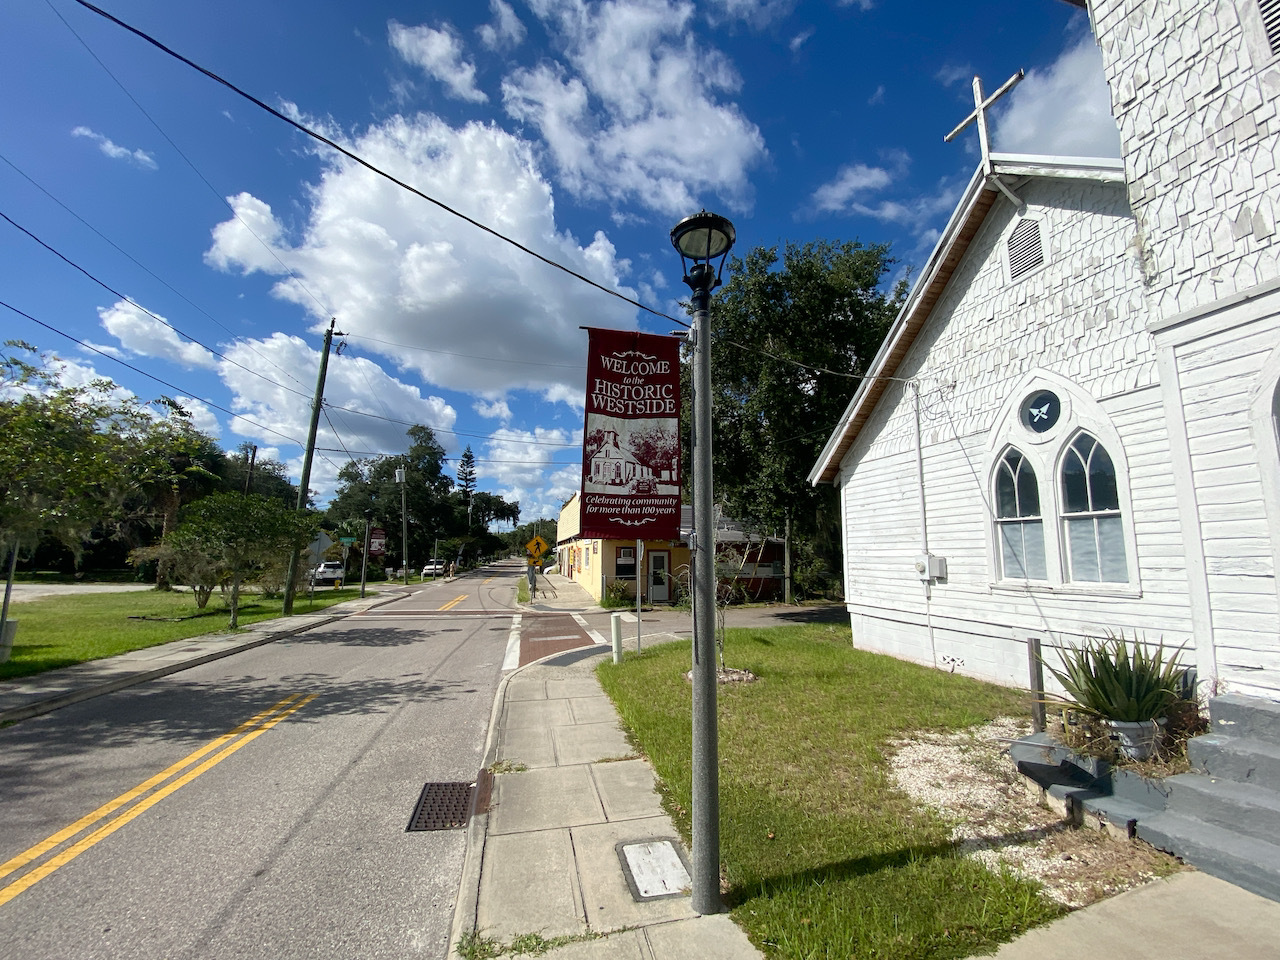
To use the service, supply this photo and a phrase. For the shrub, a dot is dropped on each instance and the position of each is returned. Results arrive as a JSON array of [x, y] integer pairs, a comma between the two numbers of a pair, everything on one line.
[[1108, 681], [617, 595]]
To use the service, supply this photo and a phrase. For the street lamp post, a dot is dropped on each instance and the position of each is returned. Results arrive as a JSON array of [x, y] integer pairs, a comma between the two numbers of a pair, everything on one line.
[[703, 238]]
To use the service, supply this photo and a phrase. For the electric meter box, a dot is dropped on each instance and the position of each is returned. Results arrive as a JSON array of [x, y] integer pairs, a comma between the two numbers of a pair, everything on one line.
[[929, 567]]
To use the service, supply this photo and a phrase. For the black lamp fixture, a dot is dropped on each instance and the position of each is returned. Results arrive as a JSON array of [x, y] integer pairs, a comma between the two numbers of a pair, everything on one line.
[[702, 238]]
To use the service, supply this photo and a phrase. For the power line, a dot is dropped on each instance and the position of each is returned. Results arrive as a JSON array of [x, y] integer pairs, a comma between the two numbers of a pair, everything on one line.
[[129, 300], [373, 168], [217, 193], [149, 376], [140, 264]]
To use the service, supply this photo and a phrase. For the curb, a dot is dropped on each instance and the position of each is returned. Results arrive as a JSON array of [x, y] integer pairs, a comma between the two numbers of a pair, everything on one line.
[[468, 902], [26, 712]]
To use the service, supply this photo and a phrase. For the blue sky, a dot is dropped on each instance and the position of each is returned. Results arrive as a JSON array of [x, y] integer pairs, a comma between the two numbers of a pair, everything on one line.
[[584, 130]]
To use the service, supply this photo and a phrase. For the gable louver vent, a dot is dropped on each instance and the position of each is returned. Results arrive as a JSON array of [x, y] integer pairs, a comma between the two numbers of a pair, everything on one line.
[[1271, 20], [1025, 252]]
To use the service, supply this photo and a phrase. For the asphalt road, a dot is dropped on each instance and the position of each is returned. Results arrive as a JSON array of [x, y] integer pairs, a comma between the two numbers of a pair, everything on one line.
[[286, 836]]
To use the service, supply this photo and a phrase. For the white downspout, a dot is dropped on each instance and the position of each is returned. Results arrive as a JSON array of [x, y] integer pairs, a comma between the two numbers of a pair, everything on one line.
[[924, 524]]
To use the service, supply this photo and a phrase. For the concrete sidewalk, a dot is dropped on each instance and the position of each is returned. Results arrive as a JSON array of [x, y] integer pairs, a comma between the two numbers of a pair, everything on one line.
[[44, 692], [572, 824], [569, 792]]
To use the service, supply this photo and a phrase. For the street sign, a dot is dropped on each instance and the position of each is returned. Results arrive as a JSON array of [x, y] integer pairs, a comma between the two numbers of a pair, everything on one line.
[[537, 548], [317, 547], [346, 539]]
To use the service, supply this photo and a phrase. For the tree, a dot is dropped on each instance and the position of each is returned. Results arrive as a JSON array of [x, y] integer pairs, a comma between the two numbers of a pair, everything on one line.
[[175, 464], [245, 532], [467, 472], [791, 338], [270, 477], [187, 557], [370, 485], [65, 455]]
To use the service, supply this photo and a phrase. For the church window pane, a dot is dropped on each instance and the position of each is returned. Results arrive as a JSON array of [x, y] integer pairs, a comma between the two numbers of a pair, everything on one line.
[[1018, 520], [1091, 514]]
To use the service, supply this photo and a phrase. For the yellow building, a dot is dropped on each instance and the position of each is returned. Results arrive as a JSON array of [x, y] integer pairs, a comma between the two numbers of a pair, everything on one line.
[[597, 563]]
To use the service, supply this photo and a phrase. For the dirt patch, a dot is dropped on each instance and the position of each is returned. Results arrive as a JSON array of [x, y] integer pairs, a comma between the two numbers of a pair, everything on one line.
[[969, 778]]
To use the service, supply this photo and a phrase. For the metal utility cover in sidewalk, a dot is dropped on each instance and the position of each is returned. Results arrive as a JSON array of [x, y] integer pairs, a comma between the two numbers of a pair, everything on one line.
[[654, 868]]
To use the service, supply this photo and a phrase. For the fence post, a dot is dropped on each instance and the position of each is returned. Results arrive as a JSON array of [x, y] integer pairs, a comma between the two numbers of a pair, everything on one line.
[[1036, 668]]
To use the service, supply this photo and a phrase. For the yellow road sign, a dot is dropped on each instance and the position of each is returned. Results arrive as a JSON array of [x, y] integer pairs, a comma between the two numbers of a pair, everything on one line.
[[537, 546]]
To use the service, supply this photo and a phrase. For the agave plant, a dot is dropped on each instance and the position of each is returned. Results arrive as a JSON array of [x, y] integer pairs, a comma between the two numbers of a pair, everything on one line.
[[1104, 678]]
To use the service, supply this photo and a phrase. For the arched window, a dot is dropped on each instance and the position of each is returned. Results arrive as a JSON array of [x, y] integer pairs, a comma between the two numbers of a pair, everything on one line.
[[1092, 525], [1018, 520]]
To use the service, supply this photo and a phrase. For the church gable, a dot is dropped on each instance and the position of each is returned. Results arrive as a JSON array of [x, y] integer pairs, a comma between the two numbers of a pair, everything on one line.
[[1080, 313]]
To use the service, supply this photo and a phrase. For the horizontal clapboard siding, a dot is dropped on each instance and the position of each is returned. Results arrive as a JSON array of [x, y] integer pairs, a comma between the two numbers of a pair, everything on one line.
[[1081, 317], [1218, 376]]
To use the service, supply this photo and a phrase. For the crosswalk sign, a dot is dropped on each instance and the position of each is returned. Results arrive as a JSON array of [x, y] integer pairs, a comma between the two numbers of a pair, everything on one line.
[[537, 547]]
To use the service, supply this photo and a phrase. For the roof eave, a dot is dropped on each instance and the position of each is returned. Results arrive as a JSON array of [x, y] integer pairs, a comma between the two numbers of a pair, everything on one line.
[[872, 384]]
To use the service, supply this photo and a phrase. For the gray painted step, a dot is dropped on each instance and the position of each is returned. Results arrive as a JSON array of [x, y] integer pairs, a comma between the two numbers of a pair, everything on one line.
[[1245, 861], [1120, 813], [1233, 715], [1244, 760], [1240, 807]]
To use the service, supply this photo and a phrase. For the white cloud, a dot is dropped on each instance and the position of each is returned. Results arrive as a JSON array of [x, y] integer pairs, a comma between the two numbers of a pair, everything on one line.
[[505, 31], [876, 98], [271, 412], [640, 119], [1063, 110], [139, 158], [852, 180], [757, 13], [494, 410], [523, 466], [248, 240], [800, 39], [201, 415], [439, 54], [392, 267], [143, 334], [949, 74]]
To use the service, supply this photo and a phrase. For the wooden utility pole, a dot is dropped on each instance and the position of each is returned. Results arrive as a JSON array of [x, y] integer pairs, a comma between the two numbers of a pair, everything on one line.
[[305, 482]]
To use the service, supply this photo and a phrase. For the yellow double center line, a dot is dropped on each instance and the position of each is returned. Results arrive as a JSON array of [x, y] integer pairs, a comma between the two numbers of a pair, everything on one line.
[[454, 602], [251, 729]]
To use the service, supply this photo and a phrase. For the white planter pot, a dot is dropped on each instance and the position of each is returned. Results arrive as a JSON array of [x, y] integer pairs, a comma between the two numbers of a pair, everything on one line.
[[9, 631], [1138, 739]]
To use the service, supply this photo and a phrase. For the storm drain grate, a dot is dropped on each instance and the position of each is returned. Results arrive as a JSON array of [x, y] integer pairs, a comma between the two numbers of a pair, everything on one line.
[[442, 806]]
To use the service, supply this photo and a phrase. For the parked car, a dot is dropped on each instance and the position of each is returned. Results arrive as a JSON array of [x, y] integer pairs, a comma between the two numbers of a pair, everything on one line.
[[433, 568], [331, 571]]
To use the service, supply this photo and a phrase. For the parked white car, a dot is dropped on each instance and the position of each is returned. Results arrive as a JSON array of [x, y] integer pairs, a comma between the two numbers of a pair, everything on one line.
[[433, 568], [331, 571]]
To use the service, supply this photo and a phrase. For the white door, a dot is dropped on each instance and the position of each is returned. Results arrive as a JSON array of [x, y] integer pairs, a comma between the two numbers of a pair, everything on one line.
[[658, 590]]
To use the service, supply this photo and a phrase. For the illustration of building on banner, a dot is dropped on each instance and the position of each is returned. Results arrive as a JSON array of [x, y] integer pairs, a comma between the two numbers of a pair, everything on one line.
[[631, 435]]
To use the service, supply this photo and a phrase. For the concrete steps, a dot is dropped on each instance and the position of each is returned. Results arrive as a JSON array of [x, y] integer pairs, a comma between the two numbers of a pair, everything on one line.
[[1223, 818]]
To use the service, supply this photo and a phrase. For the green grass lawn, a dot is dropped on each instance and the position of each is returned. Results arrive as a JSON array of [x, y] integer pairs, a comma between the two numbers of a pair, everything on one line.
[[59, 631], [822, 856]]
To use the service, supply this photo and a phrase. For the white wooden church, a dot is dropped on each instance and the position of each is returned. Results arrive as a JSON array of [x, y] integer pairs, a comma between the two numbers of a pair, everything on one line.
[[1072, 425]]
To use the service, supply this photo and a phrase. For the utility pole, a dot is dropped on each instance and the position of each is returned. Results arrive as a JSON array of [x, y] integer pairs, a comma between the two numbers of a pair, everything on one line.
[[305, 483], [248, 477], [402, 476]]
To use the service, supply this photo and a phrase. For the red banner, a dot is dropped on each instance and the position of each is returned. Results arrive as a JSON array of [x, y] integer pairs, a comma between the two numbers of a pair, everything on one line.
[[631, 437]]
